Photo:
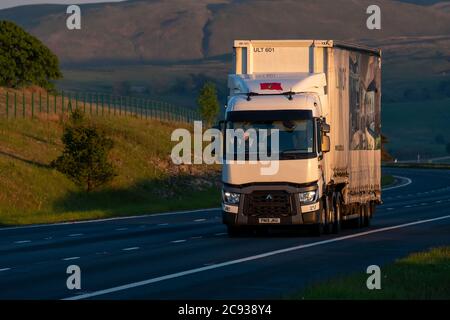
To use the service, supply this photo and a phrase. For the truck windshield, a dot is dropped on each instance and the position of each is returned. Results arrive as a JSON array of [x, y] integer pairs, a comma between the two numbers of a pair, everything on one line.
[[296, 137]]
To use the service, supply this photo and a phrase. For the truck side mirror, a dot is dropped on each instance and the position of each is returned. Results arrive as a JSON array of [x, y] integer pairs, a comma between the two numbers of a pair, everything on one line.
[[325, 127], [325, 144]]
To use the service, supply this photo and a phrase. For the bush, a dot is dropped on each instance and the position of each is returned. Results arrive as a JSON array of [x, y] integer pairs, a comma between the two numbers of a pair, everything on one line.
[[24, 60], [85, 156], [208, 103]]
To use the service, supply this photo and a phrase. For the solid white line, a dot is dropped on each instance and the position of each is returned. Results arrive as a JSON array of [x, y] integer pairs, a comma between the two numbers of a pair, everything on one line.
[[5, 269], [22, 241], [71, 258], [110, 219], [407, 182], [131, 249], [246, 259]]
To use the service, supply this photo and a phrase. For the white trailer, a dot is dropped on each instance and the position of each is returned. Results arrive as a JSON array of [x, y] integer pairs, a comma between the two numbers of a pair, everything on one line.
[[325, 98]]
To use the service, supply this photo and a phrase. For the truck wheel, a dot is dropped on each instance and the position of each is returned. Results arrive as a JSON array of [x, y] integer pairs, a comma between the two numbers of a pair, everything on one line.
[[317, 229], [329, 214], [337, 214], [366, 215]]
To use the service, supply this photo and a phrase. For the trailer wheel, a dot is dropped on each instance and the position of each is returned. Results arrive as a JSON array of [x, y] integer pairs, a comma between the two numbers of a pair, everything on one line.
[[337, 214], [366, 215]]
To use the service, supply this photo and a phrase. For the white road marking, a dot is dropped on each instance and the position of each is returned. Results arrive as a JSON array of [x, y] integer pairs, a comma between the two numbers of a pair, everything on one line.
[[438, 201], [22, 241], [250, 258], [71, 258], [131, 249], [220, 234], [75, 234], [5, 269], [196, 237], [407, 181], [112, 219], [163, 224], [178, 241], [121, 229], [199, 220], [389, 209]]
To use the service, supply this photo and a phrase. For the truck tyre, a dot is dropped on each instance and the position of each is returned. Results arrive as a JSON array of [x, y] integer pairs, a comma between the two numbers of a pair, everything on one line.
[[329, 215], [337, 214], [366, 215], [317, 229]]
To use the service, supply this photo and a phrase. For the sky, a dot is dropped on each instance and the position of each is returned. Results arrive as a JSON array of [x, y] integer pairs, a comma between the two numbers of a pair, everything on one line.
[[13, 3]]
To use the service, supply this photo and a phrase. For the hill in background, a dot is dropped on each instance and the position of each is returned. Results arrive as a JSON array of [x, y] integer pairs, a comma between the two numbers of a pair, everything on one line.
[[167, 49]]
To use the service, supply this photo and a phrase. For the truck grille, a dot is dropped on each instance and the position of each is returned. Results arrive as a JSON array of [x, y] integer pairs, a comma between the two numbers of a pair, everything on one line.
[[268, 203]]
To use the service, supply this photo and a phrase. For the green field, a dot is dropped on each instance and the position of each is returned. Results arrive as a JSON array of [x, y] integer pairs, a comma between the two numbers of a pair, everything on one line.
[[411, 128], [424, 275], [147, 181]]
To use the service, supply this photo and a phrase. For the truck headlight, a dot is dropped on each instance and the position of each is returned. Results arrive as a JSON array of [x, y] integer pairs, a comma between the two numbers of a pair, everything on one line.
[[230, 197], [308, 196]]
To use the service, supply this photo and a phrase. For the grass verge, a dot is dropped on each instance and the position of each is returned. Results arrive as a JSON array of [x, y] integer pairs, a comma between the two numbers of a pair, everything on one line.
[[32, 192], [424, 275], [387, 180]]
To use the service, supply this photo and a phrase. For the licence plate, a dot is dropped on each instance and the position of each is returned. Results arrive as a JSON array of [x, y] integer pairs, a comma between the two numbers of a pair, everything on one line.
[[269, 220]]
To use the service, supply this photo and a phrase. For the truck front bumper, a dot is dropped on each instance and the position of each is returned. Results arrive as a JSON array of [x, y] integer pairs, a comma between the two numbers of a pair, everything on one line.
[[231, 216]]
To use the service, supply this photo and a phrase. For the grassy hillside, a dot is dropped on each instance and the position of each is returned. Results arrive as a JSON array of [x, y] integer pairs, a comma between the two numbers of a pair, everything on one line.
[[412, 128], [147, 181]]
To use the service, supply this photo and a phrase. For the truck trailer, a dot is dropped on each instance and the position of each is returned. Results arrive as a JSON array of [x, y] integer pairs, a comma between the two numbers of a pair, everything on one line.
[[324, 97]]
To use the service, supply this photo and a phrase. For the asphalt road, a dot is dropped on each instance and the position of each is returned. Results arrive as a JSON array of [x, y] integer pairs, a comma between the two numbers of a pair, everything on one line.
[[189, 255]]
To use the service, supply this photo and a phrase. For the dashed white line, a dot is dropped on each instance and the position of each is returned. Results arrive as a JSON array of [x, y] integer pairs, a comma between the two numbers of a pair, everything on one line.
[[178, 241], [5, 269], [196, 237], [75, 234], [220, 234], [163, 224], [71, 258], [121, 229], [249, 258], [199, 220], [22, 241], [131, 249], [389, 209]]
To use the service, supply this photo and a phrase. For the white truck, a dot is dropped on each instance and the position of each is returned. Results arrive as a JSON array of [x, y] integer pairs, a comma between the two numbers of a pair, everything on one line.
[[324, 97]]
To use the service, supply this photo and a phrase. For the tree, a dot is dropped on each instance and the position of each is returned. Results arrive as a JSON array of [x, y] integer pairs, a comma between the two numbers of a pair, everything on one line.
[[208, 103], [25, 60], [85, 156]]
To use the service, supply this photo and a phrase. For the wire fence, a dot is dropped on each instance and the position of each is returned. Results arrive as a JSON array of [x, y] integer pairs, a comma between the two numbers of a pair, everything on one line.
[[25, 104]]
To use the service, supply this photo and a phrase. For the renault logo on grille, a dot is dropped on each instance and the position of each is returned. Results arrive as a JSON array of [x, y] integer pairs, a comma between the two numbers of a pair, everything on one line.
[[269, 197]]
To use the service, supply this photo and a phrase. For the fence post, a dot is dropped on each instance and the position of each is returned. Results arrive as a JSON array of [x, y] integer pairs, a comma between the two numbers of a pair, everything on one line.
[[69, 104], [15, 104], [32, 104], [62, 102], [23, 104]]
